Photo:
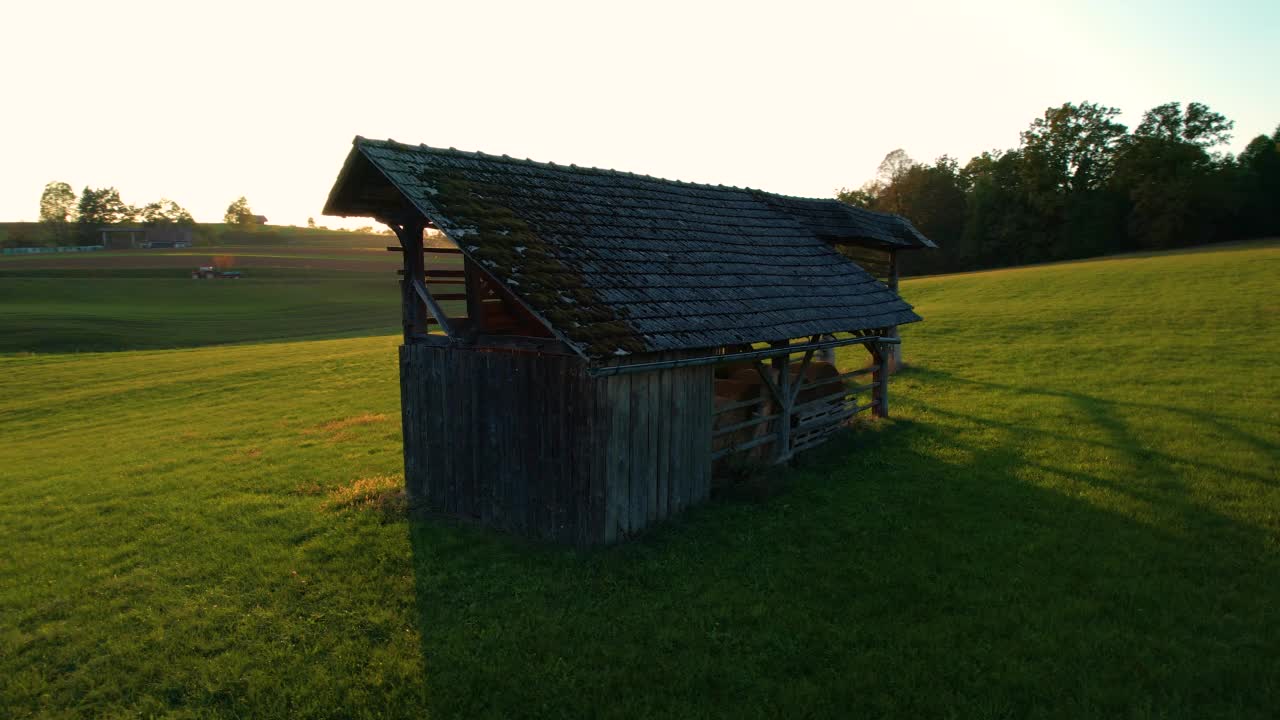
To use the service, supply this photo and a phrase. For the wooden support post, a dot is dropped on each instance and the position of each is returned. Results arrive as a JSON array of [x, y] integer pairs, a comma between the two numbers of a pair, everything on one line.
[[782, 364], [804, 366], [413, 312], [880, 393], [475, 305]]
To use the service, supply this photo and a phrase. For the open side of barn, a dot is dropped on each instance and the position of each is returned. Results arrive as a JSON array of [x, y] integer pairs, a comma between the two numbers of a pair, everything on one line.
[[623, 334]]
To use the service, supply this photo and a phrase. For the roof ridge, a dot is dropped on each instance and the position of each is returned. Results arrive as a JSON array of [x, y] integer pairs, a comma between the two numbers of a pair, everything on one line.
[[481, 155]]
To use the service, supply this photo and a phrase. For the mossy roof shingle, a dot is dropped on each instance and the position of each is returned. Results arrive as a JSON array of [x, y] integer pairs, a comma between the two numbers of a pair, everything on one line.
[[620, 263]]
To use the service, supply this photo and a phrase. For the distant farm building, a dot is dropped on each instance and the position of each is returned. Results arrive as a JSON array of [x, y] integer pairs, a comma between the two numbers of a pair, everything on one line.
[[623, 334], [117, 237], [258, 219]]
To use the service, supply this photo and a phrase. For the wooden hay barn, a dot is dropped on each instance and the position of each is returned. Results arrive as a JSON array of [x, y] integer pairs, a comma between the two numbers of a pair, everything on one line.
[[622, 334]]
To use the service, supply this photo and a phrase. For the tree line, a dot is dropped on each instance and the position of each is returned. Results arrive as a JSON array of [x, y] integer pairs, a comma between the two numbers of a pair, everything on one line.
[[1080, 184], [70, 218]]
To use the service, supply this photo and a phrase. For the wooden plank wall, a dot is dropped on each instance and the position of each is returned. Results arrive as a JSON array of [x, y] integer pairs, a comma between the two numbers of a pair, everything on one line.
[[529, 443], [873, 260]]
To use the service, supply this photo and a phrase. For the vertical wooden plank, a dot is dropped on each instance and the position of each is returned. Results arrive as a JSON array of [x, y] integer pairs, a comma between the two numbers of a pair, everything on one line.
[[543, 494], [438, 428], [618, 520], [411, 476], [478, 414], [427, 392], [526, 430], [494, 460], [540, 438], [653, 399], [680, 439], [505, 402], [702, 416], [662, 459], [599, 425], [461, 433], [588, 451], [417, 440], [569, 494], [690, 441], [577, 492], [552, 508], [639, 418]]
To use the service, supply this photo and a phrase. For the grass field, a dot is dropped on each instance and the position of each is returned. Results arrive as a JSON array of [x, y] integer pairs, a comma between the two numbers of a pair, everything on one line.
[[1075, 513], [145, 299]]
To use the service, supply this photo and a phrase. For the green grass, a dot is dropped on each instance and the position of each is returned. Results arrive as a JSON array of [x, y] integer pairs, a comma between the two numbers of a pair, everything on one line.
[[66, 311], [215, 234], [60, 310], [1075, 513]]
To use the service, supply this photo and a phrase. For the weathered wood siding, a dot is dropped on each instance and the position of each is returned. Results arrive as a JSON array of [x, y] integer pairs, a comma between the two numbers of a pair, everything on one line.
[[529, 443]]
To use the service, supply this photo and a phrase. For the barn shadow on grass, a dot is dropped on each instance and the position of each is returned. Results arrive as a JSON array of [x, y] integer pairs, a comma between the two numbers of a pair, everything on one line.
[[910, 570]]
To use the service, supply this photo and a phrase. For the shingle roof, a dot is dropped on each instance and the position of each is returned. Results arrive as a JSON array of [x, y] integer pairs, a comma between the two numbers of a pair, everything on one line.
[[619, 263]]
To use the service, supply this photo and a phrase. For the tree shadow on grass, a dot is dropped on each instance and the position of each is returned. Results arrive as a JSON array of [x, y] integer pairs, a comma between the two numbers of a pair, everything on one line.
[[1102, 412], [905, 571]]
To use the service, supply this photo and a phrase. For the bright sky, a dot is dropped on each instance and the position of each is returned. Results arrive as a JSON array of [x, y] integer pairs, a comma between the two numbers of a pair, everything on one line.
[[204, 102]]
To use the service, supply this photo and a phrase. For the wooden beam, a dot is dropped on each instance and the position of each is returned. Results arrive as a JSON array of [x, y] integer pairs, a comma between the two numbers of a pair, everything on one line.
[[431, 304], [743, 356], [475, 304], [880, 393], [804, 365], [766, 376], [782, 364], [763, 439]]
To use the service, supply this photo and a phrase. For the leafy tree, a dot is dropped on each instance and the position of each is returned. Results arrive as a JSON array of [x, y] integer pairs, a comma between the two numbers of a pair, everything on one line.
[[863, 197], [1259, 185], [238, 213], [1173, 183], [1067, 156], [1198, 125], [893, 168], [103, 206], [1070, 147], [57, 203], [999, 219], [166, 212], [57, 207], [1080, 184], [311, 223], [933, 197]]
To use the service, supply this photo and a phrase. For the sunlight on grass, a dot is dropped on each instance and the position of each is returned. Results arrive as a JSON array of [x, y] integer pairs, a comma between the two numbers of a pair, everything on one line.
[[1073, 513]]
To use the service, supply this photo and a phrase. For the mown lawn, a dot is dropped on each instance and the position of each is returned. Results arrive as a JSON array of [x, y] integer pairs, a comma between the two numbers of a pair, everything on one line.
[[1075, 513]]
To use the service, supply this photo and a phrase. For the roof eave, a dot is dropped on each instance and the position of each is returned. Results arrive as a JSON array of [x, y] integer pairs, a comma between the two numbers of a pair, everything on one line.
[[442, 223]]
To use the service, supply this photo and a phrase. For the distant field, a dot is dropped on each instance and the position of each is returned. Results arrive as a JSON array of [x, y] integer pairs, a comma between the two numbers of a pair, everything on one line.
[[1075, 513], [221, 234], [142, 299]]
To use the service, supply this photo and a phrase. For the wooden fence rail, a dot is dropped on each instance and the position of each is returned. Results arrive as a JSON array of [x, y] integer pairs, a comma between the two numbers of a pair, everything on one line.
[[798, 426]]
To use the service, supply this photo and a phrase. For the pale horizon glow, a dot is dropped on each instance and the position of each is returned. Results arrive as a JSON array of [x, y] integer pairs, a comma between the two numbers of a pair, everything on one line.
[[204, 104]]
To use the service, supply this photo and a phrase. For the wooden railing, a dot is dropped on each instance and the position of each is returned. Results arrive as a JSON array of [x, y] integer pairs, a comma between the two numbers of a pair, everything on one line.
[[776, 417]]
